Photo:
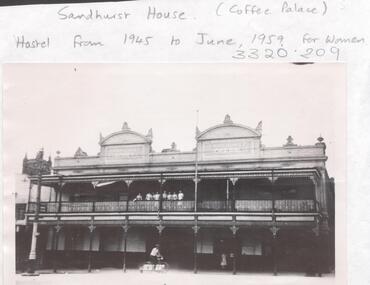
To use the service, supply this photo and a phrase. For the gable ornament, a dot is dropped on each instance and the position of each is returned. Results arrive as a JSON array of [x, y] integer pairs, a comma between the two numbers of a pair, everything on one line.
[[227, 119]]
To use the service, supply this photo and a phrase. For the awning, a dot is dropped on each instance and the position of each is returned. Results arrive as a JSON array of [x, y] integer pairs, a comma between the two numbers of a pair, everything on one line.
[[101, 184]]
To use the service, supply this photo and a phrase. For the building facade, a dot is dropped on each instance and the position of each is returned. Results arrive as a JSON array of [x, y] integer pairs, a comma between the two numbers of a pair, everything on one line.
[[261, 208]]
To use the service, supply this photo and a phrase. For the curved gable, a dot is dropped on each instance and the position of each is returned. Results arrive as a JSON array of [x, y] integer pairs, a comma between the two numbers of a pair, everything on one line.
[[224, 131], [125, 146], [124, 137], [229, 140]]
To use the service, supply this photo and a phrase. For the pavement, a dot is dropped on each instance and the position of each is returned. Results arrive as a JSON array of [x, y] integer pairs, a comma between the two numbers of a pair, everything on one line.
[[172, 277]]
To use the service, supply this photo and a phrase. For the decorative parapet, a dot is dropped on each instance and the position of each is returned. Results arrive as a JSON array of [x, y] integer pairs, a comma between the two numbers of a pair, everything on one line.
[[172, 157], [172, 149], [229, 141], [80, 153], [149, 135], [227, 119], [259, 127], [125, 145], [321, 143], [77, 161], [298, 153], [289, 142], [292, 151], [224, 142]]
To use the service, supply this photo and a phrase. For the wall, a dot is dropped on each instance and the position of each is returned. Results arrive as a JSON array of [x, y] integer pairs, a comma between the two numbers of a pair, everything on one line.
[[250, 245], [80, 243], [136, 241], [205, 242]]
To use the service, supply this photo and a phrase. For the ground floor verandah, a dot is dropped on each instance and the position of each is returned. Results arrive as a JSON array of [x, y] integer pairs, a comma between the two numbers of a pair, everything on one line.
[[246, 249]]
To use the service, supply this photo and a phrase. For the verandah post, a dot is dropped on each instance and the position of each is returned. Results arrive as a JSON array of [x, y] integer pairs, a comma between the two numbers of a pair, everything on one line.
[[60, 186], [233, 196], [91, 235], [125, 228], [128, 183], [234, 230], [196, 229], [274, 230], [160, 229], [161, 182], [33, 254], [57, 229]]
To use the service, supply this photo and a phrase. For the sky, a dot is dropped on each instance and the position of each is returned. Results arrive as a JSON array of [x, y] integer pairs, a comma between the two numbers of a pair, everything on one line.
[[65, 106]]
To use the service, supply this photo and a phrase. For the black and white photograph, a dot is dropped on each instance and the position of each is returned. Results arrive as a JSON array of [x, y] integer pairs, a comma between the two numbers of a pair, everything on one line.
[[175, 173]]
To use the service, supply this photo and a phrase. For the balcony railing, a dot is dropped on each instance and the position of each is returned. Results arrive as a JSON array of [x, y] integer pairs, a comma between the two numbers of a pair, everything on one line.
[[143, 206], [294, 205], [253, 205], [211, 206], [20, 210], [116, 206], [50, 207], [73, 207], [176, 206]]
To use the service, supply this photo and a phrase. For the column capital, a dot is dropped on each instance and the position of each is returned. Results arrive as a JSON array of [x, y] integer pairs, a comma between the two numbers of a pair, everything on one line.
[[160, 228], [91, 228], [234, 229], [234, 180], [57, 228], [125, 227], [196, 229], [196, 180], [128, 182], [272, 179], [274, 230]]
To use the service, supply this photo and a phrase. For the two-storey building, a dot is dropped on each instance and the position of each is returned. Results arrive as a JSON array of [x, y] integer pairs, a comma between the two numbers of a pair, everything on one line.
[[264, 208]]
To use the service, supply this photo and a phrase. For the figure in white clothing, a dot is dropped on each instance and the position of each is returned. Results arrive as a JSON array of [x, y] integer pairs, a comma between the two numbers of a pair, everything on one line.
[[181, 195], [138, 197], [148, 196], [155, 254], [223, 261], [164, 195], [156, 196]]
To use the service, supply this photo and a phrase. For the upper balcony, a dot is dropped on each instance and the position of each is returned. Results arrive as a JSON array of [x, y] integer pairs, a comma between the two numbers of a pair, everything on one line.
[[230, 199]]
